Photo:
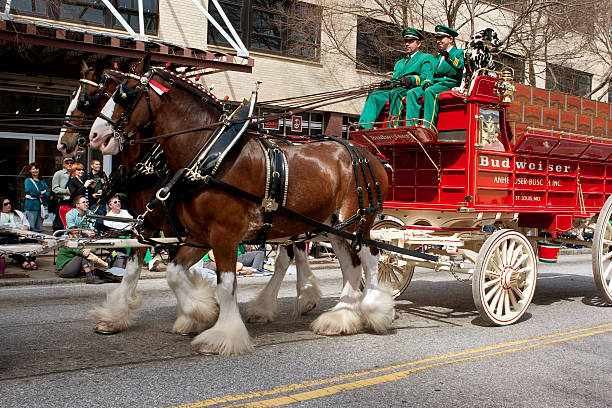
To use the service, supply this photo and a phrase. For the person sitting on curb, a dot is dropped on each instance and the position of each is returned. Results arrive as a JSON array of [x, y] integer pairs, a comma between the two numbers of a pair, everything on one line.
[[73, 262], [10, 218], [75, 217], [249, 258]]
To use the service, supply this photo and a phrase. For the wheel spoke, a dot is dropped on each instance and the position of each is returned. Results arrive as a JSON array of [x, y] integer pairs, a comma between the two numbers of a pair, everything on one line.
[[518, 292], [492, 292], [510, 254], [607, 242], [495, 275], [504, 253], [492, 282], [495, 300], [513, 300], [520, 261], [607, 272], [498, 308], [607, 256], [507, 302], [394, 275], [515, 254]]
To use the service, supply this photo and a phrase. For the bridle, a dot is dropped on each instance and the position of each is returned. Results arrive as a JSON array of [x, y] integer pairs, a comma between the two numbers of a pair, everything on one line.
[[129, 98]]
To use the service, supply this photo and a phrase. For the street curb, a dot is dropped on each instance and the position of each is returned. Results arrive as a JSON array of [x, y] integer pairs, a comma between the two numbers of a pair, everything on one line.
[[143, 276]]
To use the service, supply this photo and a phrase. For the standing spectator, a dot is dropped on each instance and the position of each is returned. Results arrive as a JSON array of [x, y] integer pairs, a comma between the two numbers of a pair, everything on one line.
[[74, 217], [77, 185], [59, 186], [10, 218], [99, 178], [37, 193]]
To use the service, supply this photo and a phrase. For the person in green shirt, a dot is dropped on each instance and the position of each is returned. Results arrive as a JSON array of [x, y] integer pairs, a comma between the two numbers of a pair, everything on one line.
[[410, 72], [447, 73], [73, 262]]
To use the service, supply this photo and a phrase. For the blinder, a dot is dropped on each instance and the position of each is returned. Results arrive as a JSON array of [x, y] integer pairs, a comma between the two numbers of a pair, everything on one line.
[[125, 96]]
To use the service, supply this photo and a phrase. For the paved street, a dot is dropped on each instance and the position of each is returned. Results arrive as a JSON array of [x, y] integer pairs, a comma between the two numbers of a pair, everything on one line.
[[440, 354]]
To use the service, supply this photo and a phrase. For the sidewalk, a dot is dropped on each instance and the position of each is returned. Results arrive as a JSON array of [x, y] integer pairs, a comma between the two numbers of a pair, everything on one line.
[[14, 275]]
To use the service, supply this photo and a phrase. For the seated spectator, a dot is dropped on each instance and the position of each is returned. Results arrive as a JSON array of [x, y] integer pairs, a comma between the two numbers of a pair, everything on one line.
[[73, 262], [249, 258], [114, 204], [10, 218], [75, 217]]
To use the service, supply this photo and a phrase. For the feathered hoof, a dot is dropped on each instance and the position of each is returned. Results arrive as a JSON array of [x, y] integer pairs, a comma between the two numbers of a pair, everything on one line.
[[337, 322], [185, 326], [255, 319], [215, 341], [304, 309], [106, 328], [378, 311]]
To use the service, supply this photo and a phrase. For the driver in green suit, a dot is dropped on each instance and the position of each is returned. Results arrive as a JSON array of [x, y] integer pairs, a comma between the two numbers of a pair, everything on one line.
[[410, 72], [447, 73]]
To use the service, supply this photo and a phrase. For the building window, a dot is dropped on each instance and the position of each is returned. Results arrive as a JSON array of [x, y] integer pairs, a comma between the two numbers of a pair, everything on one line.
[[610, 92], [91, 12], [282, 27], [516, 63], [568, 80], [380, 45], [304, 124]]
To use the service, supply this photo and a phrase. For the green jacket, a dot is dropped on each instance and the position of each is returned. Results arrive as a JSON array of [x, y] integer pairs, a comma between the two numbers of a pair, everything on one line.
[[448, 71], [64, 255], [419, 68]]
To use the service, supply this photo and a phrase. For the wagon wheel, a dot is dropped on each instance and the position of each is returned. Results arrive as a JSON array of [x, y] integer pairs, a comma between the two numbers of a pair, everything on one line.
[[504, 277], [602, 252], [392, 271]]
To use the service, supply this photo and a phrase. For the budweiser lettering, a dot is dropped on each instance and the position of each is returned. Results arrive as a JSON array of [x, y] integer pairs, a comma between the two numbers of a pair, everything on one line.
[[539, 165]]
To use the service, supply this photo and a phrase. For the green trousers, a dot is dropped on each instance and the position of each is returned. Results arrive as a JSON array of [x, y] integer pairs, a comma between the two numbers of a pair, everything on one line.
[[413, 105], [431, 103], [373, 105]]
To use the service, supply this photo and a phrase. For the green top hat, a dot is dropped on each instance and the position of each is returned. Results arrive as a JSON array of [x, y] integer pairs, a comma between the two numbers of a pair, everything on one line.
[[410, 33], [444, 31]]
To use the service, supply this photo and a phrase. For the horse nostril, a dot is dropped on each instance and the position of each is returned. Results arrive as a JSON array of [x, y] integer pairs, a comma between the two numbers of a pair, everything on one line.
[[93, 136]]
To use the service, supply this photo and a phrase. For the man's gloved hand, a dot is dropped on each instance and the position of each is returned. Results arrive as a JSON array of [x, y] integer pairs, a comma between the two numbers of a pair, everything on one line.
[[388, 84], [426, 85], [406, 81], [443, 53]]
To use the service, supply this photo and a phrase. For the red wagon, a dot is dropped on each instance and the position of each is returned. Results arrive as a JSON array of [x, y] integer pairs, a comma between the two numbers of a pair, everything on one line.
[[481, 199]]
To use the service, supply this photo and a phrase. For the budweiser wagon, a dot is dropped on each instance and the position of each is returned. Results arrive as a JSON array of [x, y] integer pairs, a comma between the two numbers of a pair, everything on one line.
[[484, 192]]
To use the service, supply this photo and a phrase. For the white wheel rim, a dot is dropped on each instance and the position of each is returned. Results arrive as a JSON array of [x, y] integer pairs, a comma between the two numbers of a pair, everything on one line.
[[508, 280], [394, 273], [605, 263]]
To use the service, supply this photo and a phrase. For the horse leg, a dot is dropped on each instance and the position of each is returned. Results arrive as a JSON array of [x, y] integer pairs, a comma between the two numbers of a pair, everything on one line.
[[344, 318], [229, 335], [308, 292], [377, 303], [197, 307], [264, 307], [122, 303]]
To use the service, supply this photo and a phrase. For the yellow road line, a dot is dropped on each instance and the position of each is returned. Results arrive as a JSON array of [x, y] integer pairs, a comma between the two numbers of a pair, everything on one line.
[[323, 381], [367, 382]]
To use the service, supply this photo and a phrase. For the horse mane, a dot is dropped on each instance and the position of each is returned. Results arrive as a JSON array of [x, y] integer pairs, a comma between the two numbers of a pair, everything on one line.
[[184, 83]]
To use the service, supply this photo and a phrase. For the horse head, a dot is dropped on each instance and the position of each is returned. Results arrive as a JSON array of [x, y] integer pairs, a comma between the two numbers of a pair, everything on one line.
[[87, 101], [121, 116], [147, 94]]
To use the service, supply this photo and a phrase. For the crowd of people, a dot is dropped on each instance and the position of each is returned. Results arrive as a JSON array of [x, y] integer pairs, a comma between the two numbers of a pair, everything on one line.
[[73, 193]]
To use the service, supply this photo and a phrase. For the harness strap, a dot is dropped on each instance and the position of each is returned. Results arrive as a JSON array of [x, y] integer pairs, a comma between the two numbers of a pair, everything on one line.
[[282, 210]]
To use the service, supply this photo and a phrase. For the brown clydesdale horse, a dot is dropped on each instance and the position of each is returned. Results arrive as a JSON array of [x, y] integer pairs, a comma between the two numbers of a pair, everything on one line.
[[194, 311], [322, 186]]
